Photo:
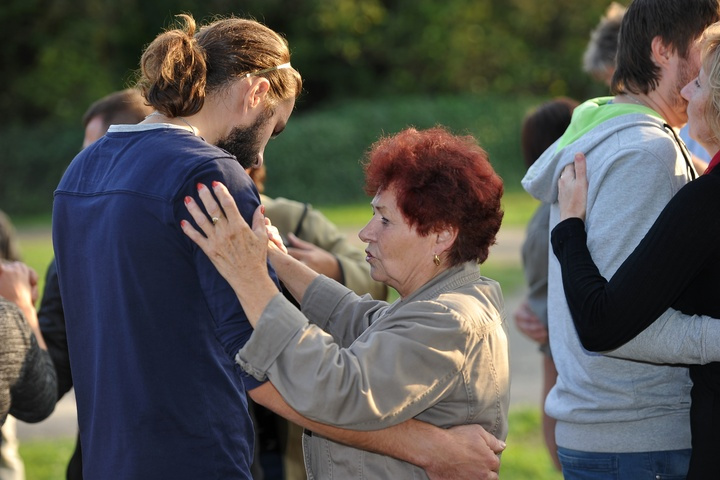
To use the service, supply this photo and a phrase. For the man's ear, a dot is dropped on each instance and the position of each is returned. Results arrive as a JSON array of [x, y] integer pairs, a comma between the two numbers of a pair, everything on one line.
[[661, 52], [256, 93]]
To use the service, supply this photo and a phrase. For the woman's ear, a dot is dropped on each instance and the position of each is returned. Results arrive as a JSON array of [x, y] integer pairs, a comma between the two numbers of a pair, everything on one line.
[[446, 237]]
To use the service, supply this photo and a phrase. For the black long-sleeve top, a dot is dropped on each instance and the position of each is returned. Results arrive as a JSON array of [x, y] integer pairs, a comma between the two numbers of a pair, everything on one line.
[[51, 318], [676, 265]]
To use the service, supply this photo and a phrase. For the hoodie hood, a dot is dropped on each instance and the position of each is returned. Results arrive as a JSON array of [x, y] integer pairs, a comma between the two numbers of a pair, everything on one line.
[[592, 123]]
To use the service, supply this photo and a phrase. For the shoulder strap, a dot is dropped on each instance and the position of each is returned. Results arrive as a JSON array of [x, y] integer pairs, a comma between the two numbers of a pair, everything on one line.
[[298, 228]]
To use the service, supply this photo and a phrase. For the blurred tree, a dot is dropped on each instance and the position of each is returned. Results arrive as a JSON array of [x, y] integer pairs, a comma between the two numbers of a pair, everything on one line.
[[60, 55]]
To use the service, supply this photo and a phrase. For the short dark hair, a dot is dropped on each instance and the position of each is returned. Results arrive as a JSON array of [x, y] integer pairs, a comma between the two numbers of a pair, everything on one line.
[[440, 181], [123, 107], [544, 125], [678, 23]]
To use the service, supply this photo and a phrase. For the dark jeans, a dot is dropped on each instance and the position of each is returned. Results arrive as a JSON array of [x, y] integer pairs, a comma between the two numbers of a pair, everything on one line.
[[664, 465]]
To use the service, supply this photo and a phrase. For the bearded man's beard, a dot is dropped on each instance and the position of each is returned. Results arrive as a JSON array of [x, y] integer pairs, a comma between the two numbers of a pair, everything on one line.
[[244, 142]]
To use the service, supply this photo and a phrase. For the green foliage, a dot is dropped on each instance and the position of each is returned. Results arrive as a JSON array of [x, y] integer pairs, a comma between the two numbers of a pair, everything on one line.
[[62, 55], [31, 164], [316, 159]]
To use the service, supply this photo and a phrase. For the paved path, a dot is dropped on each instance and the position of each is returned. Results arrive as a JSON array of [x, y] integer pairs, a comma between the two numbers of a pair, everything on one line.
[[524, 357]]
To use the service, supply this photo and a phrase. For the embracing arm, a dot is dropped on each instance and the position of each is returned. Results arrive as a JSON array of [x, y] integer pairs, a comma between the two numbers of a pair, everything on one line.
[[240, 252], [608, 314], [675, 338], [463, 452], [302, 360]]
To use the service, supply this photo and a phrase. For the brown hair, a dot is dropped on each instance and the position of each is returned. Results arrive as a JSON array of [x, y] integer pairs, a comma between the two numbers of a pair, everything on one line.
[[123, 107], [678, 23], [181, 66], [440, 180], [544, 125]]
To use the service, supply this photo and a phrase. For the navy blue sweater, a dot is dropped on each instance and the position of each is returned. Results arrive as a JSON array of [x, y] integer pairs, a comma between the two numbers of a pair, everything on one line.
[[152, 328]]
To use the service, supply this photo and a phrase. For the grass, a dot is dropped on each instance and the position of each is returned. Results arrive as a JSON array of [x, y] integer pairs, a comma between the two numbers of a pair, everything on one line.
[[524, 459], [46, 459]]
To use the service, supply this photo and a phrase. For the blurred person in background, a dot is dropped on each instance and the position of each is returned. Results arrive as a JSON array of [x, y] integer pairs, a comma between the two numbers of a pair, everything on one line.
[[11, 465], [28, 381], [540, 129], [599, 56]]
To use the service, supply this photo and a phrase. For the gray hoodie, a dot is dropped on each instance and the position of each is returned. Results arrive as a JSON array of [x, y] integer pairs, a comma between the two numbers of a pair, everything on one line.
[[635, 165]]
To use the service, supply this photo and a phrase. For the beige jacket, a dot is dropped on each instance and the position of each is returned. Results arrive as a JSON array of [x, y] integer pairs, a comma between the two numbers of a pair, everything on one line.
[[440, 356]]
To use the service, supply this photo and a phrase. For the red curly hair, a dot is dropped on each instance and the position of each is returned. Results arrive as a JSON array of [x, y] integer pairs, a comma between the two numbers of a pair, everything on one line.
[[440, 180]]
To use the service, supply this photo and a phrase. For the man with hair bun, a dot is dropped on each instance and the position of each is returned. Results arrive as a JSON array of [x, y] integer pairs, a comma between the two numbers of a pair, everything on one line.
[[152, 327]]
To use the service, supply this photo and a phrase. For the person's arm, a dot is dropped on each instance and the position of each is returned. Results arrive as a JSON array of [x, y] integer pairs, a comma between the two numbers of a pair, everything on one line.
[[301, 360], [26, 370], [529, 324], [608, 314], [51, 318], [674, 338], [463, 452]]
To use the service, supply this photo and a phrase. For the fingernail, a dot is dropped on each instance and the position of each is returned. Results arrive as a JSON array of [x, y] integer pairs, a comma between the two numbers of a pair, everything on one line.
[[188, 200], [183, 223], [215, 184], [262, 209], [200, 186]]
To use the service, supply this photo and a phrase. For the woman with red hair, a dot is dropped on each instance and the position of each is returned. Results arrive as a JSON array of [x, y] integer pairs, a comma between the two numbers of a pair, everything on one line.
[[438, 354]]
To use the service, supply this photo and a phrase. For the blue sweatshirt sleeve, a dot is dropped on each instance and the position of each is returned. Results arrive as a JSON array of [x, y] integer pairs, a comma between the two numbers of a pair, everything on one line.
[[232, 327]]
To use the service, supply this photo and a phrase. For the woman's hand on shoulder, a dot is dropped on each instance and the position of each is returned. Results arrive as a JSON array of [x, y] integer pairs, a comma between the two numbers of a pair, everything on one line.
[[572, 189], [238, 251]]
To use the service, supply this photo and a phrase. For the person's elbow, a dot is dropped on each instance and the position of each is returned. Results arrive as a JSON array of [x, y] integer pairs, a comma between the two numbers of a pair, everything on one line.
[[595, 339]]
